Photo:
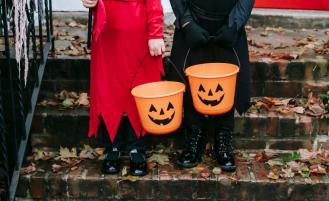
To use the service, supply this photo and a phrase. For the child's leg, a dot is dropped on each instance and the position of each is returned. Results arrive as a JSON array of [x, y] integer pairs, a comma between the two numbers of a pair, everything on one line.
[[133, 142], [225, 121], [105, 138]]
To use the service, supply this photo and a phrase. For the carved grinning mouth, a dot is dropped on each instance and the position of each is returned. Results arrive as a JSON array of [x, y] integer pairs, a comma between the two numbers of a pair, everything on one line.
[[211, 102], [162, 121]]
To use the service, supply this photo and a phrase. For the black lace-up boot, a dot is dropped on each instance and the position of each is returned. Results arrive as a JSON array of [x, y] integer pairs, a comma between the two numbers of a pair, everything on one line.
[[194, 145], [111, 164], [138, 165], [223, 150]]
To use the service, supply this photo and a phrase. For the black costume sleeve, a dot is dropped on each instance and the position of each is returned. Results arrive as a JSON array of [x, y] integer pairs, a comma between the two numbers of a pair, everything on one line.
[[181, 11], [240, 13]]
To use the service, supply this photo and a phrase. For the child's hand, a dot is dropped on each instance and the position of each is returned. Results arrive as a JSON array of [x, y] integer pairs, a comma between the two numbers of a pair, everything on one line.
[[89, 3], [156, 47]]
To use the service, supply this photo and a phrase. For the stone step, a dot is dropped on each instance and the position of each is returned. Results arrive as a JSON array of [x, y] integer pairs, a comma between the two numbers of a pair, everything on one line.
[[72, 68], [277, 79], [167, 182], [54, 128], [294, 19]]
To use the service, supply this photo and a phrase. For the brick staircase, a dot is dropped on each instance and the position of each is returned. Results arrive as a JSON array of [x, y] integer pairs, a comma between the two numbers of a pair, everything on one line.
[[53, 128]]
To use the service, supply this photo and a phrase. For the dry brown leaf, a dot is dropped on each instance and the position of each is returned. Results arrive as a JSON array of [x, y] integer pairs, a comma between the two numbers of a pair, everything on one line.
[[204, 174], [124, 171], [293, 165], [261, 157], [318, 169], [306, 155], [272, 175], [151, 165], [100, 150], [316, 110], [83, 99], [66, 153], [299, 110], [56, 168], [71, 162], [287, 173], [160, 159], [264, 34], [27, 170], [285, 111], [73, 24]]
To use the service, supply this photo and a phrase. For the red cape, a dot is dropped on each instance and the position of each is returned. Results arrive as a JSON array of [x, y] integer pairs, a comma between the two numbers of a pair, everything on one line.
[[120, 60]]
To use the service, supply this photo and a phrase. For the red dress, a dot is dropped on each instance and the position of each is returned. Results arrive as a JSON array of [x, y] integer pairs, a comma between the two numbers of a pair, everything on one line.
[[120, 60]]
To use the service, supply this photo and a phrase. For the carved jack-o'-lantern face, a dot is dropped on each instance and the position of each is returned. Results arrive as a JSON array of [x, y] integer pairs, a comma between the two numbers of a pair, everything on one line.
[[161, 116], [212, 97]]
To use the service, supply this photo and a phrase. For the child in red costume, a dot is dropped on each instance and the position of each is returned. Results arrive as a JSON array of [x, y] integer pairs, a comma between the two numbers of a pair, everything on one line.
[[126, 51]]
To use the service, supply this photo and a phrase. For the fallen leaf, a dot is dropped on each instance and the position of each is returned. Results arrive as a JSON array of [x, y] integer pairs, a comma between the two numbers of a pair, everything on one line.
[[217, 171], [272, 175], [73, 24], [160, 159], [69, 102], [56, 168], [261, 157], [66, 153], [264, 34], [83, 99], [318, 169], [151, 165], [284, 111], [287, 173], [293, 156], [304, 171], [306, 155], [129, 178], [293, 165], [124, 171], [71, 162], [198, 169], [100, 150], [28, 169], [317, 110], [299, 110], [87, 153], [204, 174], [275, 162]]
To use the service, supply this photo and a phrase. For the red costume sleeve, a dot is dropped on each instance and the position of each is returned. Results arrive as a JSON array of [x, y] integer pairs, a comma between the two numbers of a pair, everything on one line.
[[154, 18]]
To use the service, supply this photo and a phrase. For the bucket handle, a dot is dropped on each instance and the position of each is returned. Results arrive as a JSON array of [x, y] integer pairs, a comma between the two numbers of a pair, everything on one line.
[[189, 50]]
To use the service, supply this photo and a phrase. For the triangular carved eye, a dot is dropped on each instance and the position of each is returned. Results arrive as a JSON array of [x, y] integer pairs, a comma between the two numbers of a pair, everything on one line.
[[201, 88], [219, 88], [170, 106], [152, 108]]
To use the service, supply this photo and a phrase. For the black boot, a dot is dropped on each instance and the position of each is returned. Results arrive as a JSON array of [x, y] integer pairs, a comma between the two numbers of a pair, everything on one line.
[[111, 164], [194, 145], [223, 150], [138, 165]]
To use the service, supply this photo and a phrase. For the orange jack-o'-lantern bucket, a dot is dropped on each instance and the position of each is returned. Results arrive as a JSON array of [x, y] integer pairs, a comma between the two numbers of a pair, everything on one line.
[[160, 106], [212, 87]]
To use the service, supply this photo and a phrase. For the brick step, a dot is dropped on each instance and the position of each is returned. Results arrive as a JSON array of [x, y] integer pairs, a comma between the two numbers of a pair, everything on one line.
[[73, 68], [54, 128], [167, 182], [296, 19], [258, 88]]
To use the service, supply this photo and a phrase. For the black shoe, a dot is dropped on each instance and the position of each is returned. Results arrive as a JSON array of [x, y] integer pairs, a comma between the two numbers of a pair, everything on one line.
[[138, 166], [194, 145], [111, 164], [223, 150]]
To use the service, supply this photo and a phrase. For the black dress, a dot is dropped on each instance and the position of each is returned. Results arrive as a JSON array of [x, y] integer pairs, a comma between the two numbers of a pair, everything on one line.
[[212, 15]]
